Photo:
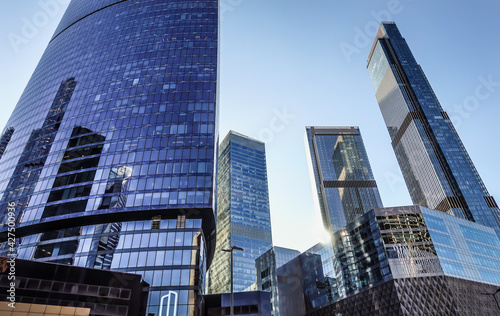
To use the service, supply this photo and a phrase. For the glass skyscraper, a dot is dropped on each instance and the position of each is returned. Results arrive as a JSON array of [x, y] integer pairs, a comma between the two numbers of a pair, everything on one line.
[[243, 217], [411, 260], [437, 169], [341, 174], [108, 159]]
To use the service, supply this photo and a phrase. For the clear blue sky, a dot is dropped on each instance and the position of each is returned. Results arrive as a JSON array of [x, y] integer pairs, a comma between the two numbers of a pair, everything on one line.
[[283, 67]]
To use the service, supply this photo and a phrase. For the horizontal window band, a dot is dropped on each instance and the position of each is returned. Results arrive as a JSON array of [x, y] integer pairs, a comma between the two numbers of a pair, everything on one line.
[[350, 184]]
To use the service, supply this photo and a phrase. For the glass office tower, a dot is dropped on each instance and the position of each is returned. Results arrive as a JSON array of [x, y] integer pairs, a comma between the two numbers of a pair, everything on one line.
[[341, 173], [411, 260], [108, 158], [437, 169], [243, 217]]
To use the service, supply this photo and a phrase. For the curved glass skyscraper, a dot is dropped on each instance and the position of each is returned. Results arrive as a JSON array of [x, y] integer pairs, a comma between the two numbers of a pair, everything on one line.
[[108, 158]]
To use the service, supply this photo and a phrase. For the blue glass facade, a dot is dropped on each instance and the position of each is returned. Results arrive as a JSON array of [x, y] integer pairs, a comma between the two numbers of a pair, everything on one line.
[[325, 250], [341, 174], [361, 260], [243, 216], [109, 155], [331, 267], [466, 250], [266, 272], [413, 242], [283, 255], [300, 285], [437, 169]]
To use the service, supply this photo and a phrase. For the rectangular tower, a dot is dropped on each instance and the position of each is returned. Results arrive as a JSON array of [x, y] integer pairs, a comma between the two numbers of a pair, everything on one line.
[[437, 169], [341, 173], [243, 217]]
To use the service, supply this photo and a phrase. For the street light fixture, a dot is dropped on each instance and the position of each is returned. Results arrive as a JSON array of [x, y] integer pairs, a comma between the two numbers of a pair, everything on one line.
[[234, 247]]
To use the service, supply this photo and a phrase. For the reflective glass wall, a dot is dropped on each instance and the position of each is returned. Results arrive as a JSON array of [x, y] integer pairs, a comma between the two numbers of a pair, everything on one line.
[[413, 242], [341, 175], [108, 158], [301, 285], [437, 169], [243, 216], [362, 261], [330, 267], [266, 272], [466, 250]]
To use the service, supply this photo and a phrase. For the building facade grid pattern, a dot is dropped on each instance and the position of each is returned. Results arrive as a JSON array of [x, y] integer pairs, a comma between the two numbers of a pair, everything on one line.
[[437, 169], [243, 216], [136, 142], [341, 175]]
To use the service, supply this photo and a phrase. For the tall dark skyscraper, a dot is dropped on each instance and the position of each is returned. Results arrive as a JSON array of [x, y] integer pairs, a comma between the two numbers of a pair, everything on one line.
[[341, 174], [243, 216], [108, 158], [437, 169]]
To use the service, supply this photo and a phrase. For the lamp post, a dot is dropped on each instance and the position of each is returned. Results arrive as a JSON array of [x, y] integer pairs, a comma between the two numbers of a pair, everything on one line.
[[232, 294]]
